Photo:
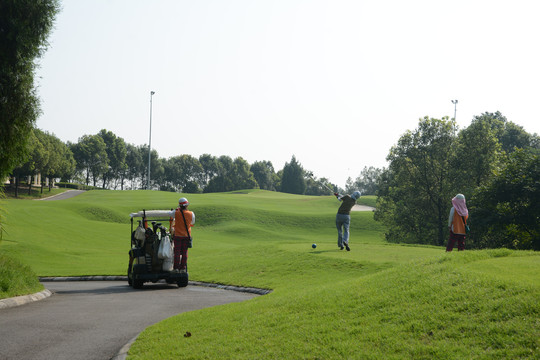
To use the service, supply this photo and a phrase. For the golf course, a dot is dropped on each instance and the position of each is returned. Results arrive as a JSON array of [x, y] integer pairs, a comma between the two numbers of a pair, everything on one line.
[[378, 301]]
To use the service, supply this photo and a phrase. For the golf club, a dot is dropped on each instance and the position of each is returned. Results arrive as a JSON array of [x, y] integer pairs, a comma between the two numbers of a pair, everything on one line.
[[310, 174]]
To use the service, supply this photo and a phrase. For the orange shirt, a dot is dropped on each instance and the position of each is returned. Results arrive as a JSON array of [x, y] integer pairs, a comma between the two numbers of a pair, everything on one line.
[[179, 226]]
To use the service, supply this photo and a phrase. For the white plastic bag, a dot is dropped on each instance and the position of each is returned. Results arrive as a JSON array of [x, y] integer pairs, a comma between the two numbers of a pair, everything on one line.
[[168, 265], [165, 250]]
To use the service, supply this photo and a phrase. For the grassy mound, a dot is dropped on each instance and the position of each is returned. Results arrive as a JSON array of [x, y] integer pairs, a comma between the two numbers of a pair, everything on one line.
[[420, 310], [16, 279], [377, 301]]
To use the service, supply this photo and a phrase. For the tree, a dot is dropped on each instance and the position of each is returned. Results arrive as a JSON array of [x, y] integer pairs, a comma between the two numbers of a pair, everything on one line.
[[221, 182], [24, 28], [416, 188], [91, 156], [134, 163], [36, 159], [510, 135], [179, 171], [366, 182], [209, 164], [507, 209], [264, 173], [477, 155], [241, 175], [116, 154], [60, 159], [293, 181]]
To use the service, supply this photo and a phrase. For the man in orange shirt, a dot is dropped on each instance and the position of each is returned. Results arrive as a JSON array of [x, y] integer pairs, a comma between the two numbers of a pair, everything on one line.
[[457, 221], [183, 221]]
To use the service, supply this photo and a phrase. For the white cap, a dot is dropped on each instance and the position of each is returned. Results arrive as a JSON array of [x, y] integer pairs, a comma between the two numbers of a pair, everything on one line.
[[183, 202]]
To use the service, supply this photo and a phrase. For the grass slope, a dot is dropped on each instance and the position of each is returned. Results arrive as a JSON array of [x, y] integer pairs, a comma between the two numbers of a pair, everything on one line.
[[378, 301], [16, 279]]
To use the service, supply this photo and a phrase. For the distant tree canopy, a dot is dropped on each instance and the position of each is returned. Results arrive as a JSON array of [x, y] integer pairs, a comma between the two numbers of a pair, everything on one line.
[[107, 161], [292, 180], [366, 182], [24, 28], [486, 161]]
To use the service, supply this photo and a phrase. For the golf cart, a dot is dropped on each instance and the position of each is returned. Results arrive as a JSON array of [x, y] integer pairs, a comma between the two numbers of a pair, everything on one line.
[[144, 263]]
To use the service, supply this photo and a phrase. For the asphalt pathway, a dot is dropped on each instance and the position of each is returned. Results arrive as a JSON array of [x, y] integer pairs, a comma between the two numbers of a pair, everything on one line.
[[95, 319], [63, 195]]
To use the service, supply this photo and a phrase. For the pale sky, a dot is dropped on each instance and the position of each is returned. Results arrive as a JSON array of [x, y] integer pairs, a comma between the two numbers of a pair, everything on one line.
[[333, 82]]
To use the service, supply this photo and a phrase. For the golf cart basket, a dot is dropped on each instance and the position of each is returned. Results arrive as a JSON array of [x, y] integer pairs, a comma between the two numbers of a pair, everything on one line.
[[144, 263]]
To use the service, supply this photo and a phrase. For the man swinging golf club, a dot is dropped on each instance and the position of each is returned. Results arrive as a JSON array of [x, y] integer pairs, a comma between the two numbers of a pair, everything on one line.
[[343, 218]]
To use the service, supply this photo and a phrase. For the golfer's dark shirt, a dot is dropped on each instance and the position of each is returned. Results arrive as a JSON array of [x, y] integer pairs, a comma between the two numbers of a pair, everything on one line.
[[347, 203]]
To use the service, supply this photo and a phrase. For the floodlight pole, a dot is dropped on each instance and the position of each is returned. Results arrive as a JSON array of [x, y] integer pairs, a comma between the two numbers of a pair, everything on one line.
[[149, 142], [455, 108]]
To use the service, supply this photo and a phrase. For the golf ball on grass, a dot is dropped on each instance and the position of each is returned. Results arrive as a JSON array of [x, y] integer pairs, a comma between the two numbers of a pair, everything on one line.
[[314, 245]]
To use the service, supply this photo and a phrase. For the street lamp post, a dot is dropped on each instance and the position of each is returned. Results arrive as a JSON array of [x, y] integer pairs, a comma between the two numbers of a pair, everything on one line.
[[149, 142], [455, 108]]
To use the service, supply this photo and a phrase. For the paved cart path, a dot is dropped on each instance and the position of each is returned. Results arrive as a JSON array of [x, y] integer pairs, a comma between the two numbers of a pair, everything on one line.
[[95, 319], [63, 195], [358, 207]]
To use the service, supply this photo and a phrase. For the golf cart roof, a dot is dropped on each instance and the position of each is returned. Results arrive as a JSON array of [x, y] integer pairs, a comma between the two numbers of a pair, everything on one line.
[[152, 214]]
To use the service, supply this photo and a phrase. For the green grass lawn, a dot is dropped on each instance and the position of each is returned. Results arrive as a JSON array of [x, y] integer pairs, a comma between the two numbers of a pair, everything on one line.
[[379, 301]]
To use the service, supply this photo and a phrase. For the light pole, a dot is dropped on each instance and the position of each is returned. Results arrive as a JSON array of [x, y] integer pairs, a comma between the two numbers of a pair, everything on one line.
[[455, 106], [149, 142]]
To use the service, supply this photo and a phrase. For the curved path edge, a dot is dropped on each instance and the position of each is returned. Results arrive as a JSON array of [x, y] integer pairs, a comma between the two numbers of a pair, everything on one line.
[[122, 353], [25, 299]]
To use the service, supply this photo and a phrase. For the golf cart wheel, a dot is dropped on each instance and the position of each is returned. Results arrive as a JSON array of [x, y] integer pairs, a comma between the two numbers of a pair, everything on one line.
[[183, 281], [137, 283], [130, 277]]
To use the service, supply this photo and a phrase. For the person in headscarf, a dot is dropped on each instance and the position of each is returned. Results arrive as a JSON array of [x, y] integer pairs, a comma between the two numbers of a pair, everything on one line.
[[457, 222], [343, 218]]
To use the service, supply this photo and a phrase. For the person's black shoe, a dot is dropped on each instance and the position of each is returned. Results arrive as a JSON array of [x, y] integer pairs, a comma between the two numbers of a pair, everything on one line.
[[347, 247], [341, 248]]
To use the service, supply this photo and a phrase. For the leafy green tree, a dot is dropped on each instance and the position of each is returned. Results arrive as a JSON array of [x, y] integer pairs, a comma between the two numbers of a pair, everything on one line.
[[478, 155], [210, 167], [507, 209], [36, 160], [24, 28], [241, 175], [367, 181], [415, 189], [157, 169], [264, 173], [116, 155], [60, 159], [67, 162], [91, 156], [511, 136], [315, 186], [134, 162], [293, 180], [181, 171], [221, 182]]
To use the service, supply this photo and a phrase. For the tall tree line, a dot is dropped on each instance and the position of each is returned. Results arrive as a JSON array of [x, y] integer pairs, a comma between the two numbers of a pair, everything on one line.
[[24, 28], [106, 161], [493, 161]]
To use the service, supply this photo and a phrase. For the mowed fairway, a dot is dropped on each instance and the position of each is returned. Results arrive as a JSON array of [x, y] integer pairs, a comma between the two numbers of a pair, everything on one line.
[[379, 301]]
